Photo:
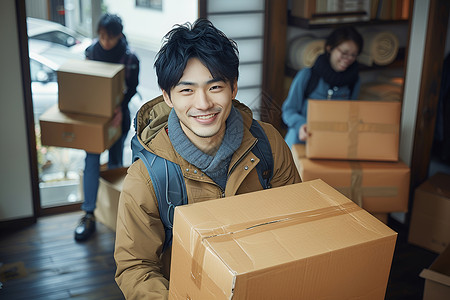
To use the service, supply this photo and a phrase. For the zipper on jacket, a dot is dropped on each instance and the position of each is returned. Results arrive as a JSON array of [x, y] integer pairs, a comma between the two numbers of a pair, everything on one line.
[[222, 191], [241, 158]]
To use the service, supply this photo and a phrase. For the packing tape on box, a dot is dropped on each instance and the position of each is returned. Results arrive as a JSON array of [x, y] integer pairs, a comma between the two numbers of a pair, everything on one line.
[[68, 134], [228, 233], [356, 183], [356, 191], [360, 127], [353, 127]]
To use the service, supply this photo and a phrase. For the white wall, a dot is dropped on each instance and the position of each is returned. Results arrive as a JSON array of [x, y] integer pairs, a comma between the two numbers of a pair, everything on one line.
[[146, 27], [15, 183]]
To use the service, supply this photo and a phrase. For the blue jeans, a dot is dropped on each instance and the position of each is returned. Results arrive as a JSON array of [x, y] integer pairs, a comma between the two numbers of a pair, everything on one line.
[[92, 172]]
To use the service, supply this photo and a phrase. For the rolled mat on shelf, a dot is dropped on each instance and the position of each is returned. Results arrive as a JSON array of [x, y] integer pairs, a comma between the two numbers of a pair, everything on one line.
[[380, 47], [303, 51]]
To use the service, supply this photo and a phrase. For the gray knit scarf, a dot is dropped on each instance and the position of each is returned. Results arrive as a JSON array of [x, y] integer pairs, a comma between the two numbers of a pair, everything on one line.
[[216, 167]]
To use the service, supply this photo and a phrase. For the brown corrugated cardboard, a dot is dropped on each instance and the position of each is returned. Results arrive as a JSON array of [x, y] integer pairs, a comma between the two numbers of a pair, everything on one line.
[[353, 130], [301, 241], [90, 133], [90, 87], [430, 218], [437, 278], [110, 186], [379, 187], [299, 152]]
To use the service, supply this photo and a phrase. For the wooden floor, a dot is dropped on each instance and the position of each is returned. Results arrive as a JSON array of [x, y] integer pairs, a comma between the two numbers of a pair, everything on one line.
[[44, 262], [56, 266]]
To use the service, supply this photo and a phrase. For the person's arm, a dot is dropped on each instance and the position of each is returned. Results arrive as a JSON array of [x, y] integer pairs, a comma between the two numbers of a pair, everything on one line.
[[284, 169], [139, 239], [292, 108], [132, 80]]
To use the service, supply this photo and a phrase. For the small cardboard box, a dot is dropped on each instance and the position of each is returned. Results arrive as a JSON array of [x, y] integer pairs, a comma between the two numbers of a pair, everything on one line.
[[90, 87], [90, 133], [437, 278], [378, 187], [353, 130], [110, 186], [430, 218], [301, 241]]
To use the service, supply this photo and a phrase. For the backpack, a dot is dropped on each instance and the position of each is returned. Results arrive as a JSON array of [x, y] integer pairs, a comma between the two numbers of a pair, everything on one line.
[[168, 181]]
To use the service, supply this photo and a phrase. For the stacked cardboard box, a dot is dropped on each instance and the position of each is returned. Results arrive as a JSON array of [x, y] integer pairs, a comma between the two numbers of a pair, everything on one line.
[[89, 92], [430, 218], [353, 130], [354, 147], [301, 241]]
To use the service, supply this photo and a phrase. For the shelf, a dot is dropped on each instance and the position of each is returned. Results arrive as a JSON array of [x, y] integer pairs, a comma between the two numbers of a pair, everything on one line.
[[306, 23]]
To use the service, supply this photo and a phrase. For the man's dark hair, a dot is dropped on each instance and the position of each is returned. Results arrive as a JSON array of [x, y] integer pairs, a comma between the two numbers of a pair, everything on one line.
[[343, 34], [112, 24], [199, 40]]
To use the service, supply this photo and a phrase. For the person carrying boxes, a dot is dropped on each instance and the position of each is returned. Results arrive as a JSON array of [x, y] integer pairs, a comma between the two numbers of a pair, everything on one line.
[[200, 127], [111, 47], [333, 76]]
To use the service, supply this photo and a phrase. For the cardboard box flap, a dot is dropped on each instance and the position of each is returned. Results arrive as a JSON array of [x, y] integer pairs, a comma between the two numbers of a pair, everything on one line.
[[439, 270], [216, 231], [435, 276], [91, 68]]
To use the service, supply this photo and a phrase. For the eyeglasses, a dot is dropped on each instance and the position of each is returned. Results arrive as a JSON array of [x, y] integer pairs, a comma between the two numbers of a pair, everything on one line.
[[347, 55]]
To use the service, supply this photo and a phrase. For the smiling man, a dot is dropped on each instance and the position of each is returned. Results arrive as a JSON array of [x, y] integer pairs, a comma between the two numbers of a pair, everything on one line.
[[199, 125]]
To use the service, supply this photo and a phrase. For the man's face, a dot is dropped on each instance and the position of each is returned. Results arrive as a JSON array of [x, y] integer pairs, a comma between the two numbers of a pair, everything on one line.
[[202, 103], [106, 41]]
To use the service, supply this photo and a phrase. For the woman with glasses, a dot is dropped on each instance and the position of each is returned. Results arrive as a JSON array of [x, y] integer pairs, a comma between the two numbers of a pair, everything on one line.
[[333, 76]]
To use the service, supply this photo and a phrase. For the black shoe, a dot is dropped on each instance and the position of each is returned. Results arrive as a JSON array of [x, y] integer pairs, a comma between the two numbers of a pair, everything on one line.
[[85, 228]]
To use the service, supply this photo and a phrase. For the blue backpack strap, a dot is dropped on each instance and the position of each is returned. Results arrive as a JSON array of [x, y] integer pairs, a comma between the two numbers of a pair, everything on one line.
[[169, 186], [168, 183], [264, 152]]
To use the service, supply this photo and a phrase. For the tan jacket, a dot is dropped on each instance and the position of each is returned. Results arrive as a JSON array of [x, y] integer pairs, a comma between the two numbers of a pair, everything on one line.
[[142, 271]]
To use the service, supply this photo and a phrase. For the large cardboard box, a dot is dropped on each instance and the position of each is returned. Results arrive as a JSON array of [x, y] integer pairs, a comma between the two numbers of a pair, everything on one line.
[[430, 217], [91, 133], [353, 130], [437, 278], [109, 189], [378, 187], [90, 87], [301, 241]]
